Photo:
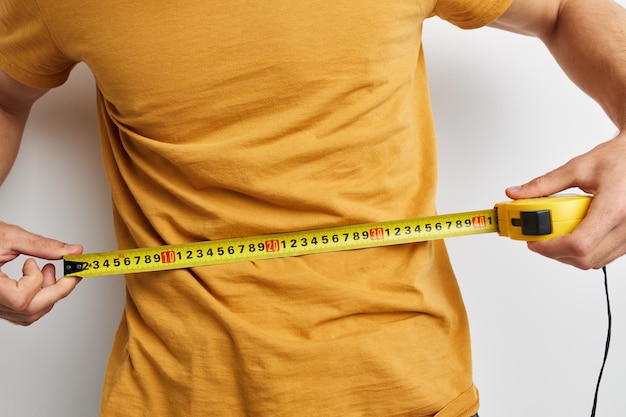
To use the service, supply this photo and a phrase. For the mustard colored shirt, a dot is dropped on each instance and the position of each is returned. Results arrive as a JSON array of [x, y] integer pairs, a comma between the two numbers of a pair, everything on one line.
[[233, 118]]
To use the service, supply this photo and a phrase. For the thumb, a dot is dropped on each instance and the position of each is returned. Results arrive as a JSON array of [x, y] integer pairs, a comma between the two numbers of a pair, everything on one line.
[[15, 240]]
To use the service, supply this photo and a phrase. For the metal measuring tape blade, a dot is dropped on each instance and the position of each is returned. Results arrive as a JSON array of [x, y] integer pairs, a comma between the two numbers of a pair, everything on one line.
[[527, 219]]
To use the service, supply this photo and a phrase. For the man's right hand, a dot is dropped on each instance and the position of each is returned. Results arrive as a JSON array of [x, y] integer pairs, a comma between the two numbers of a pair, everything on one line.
[[25, 300]]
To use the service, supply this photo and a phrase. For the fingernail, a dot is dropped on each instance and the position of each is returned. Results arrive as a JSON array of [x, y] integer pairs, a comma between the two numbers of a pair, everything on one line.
[[515, 188], [72, 247]]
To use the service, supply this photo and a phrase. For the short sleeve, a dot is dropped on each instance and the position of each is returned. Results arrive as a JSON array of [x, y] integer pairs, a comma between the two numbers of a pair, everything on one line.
[[470, 14], [28, 52]]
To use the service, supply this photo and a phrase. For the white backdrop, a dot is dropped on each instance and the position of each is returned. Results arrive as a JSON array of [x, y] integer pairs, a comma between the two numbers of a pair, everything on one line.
[[505, 114]]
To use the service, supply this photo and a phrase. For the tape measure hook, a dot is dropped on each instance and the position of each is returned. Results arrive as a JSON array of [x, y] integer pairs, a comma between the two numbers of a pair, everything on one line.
[[73, 267]]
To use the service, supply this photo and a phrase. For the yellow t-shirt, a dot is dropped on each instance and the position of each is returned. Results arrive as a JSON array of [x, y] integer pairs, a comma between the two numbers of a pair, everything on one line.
[[233, 118]]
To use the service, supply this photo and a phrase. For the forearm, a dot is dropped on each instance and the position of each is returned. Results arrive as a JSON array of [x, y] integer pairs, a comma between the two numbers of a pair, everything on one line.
[[11, 129], [588, 40], [16, 99]]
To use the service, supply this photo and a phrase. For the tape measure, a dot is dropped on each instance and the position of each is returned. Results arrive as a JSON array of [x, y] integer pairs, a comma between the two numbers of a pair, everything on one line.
[[526, 219]]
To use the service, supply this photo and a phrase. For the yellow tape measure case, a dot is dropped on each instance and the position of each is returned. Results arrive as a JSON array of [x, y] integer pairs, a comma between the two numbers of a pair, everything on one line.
[[542, 218]]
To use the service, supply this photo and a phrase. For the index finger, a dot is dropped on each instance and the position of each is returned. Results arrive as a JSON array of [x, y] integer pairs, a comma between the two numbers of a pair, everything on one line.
[[14, 241]]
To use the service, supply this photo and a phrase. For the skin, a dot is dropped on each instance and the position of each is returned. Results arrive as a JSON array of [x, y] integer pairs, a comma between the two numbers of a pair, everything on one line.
[[593, 29], [27, 299]]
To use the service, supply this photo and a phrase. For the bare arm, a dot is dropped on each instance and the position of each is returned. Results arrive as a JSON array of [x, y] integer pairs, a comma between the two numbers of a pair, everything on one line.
[[28, 298], [16, 100], [588, 40]]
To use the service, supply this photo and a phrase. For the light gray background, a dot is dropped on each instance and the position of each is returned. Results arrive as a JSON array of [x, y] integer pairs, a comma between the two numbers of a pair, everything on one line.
[[505, 114]]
